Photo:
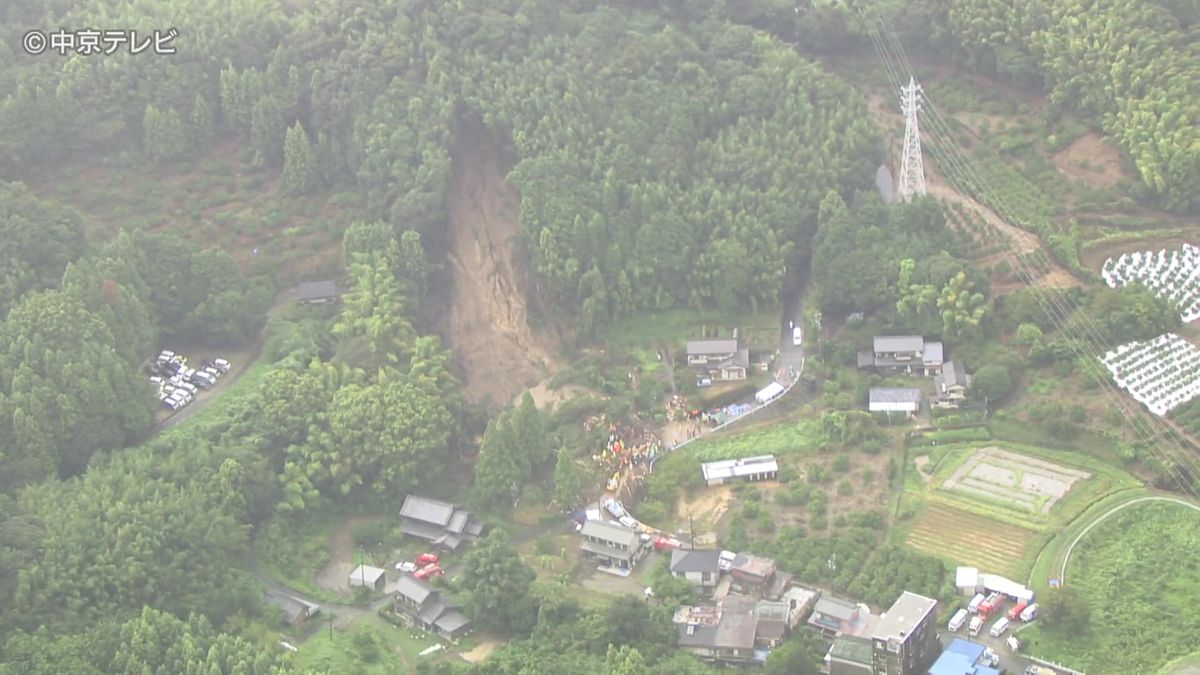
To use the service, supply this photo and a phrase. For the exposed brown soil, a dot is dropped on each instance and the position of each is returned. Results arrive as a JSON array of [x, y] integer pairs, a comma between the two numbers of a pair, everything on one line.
[[1104, 161], [332, 577], [545, 397], [487, 324]]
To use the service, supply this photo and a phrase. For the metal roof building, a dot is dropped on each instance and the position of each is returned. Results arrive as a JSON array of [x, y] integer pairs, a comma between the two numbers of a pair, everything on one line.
[[895, 399], [763, 467]]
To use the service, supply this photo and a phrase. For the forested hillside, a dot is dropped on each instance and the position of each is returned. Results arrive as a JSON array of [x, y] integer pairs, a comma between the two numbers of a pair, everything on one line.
[[660, 165]]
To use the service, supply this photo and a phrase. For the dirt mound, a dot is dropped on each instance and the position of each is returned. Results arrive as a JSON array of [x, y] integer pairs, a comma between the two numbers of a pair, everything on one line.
[[487, 324], [1092, 160]]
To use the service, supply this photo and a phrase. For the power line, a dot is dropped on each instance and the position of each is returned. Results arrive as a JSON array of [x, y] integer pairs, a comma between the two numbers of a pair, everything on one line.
[[1056, 303]]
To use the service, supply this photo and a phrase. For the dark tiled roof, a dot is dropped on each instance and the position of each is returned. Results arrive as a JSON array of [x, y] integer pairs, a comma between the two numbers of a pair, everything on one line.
[[694, 561], [427, 510], [414, 589], [316, 290]]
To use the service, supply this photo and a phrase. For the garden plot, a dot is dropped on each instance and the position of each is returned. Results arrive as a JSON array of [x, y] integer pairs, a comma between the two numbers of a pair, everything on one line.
[[1162, 374], [1172, 274], [971, 539], [1019, 481]]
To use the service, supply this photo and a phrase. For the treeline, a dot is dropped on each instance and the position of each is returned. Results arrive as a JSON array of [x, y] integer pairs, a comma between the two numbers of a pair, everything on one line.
[[1127, 64], [663, 162], [354, 404], [78, 329]]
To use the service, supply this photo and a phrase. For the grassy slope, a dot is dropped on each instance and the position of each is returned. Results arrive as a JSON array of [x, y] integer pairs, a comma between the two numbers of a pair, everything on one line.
[[1140, 575], [394, 650]]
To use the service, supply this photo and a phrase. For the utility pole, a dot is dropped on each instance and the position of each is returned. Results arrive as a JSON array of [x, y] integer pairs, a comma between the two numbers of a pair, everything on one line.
[[912, 168]]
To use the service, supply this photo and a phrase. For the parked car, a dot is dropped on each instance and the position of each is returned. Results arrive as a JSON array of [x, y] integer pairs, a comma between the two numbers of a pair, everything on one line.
[[406, 566], [213, 372], [203, 380], [222, 365], [725, 560], [427, 559], [156, 379]]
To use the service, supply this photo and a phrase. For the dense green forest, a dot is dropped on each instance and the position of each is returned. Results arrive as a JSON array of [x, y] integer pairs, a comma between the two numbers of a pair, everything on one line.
[[668, 155]]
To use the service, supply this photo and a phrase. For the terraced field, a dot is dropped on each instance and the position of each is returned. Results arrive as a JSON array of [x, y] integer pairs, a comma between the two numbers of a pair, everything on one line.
[[969, 539]]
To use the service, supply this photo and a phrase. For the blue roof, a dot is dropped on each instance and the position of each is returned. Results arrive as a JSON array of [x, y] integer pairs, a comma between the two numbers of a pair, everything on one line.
[[960, 659], [971, 650]]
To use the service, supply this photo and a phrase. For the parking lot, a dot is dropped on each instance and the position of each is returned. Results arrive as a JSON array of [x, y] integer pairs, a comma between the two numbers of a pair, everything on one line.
[[181, 380]]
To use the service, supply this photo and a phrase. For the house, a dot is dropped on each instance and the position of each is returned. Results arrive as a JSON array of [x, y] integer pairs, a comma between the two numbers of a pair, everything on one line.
[[725, 634], [950, 386], [754, 575], [909, 354], [849, 655], [424, 607], [366, 576], [612, 545], [763, 467], [834, 616], [773, 622], [444, 525], [720, 359], [295, 610], [962, 658], [906, 400], [317, 292], [905, 638], [701, 567]]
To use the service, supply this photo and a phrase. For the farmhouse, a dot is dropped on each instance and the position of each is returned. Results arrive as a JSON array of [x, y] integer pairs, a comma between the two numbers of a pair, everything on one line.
[[700, 567], [295, 610], [611, 545], [317, 292], [366, 576], [905, 400], [763, 467], [720, 359], [739, 630], [754, 575], [950, 386], [445, 525], [424, 607], [909, 354], [834, 616]]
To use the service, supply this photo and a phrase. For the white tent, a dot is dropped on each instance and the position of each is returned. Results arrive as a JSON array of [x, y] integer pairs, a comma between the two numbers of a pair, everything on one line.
[[769, 392]]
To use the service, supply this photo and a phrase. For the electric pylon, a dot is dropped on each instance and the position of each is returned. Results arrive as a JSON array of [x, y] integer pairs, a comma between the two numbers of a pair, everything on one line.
[[912, 168]]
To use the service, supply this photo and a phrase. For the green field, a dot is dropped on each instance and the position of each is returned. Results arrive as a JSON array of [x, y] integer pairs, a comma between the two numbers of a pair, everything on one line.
[[992, 534], [1140, 575], [367, 647], [758, 329], [780, 439]]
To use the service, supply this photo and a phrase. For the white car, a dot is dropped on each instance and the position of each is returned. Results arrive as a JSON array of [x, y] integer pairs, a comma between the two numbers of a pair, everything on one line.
[[797, 336], [725, 560], [221, 365], [406, 566], [213, 371]]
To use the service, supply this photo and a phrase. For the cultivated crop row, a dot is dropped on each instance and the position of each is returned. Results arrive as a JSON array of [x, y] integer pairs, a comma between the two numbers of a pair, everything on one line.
[[1162, 373], [1172, 274]]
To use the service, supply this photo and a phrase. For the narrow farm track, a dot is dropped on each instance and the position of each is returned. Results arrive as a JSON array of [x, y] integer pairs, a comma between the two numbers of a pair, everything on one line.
[[1104, 516]]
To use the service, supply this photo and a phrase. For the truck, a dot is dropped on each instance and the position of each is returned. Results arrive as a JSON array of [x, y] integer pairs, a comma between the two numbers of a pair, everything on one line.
[[1015, 612], [1029, 613], [976, 625], [999, 628], [976, 601], [989, 606], [957, 621]]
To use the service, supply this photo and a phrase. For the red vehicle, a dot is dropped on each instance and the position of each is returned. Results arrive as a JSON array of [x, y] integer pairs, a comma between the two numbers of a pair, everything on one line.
[[1015, 612], [429, 571], [989, 606], [665, 543], [427, 559]]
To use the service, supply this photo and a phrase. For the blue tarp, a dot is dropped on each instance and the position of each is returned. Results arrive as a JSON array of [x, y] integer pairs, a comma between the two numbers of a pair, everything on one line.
[[960, 659], [971, 650]]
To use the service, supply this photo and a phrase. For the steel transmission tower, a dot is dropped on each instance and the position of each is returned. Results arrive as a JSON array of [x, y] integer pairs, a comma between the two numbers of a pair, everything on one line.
[[912, 168]]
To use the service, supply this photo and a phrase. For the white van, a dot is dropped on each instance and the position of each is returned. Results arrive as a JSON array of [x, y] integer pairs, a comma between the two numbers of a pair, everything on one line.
[[957, 621], [1029, 613], [976, 601], [797, 336], [999, 627], [976, 625]]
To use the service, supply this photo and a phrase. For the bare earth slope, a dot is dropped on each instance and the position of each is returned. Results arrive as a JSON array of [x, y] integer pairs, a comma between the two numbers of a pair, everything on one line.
[[488, 320]]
